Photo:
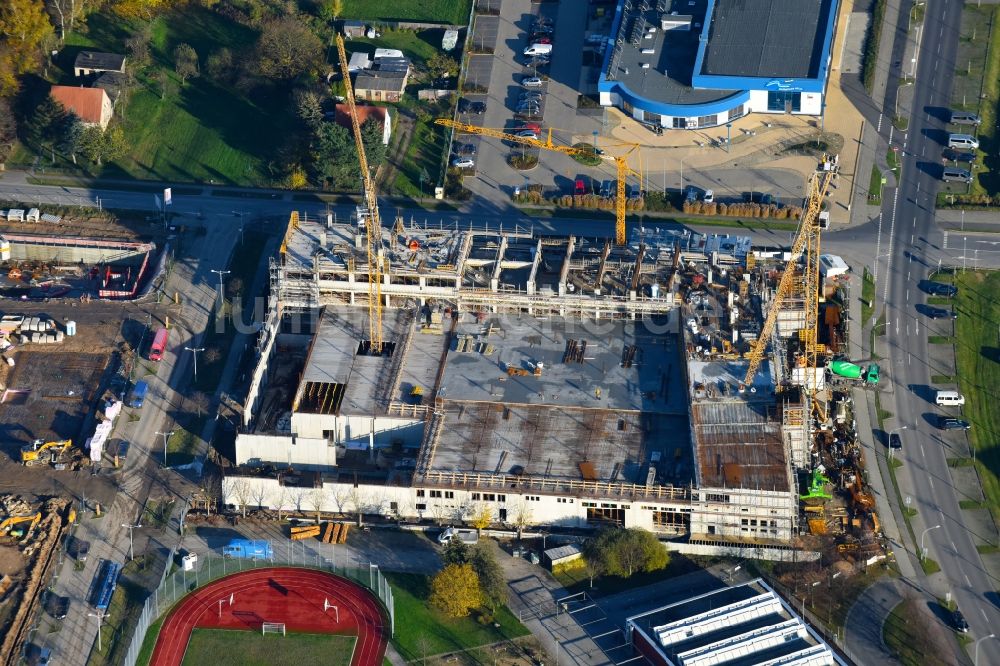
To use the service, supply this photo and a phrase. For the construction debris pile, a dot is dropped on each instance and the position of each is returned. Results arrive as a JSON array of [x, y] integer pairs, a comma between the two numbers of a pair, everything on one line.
[[36, 533]]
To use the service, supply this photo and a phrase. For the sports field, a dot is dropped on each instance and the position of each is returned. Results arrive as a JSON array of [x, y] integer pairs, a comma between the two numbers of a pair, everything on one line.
[[221, 647]]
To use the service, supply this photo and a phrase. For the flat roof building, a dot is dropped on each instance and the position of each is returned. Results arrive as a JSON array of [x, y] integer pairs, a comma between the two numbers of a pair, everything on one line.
[[702, 63], [731, 626]]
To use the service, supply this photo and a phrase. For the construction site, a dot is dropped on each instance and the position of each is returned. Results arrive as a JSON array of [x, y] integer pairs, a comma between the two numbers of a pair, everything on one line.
[[677, 382], [31, 541]]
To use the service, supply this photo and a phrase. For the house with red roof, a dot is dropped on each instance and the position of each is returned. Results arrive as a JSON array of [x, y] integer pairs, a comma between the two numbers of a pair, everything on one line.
[[91, 105], [342, 116]]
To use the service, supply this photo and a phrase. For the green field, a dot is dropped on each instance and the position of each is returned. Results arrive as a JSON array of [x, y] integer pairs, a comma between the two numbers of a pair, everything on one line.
[[455, 12], [249, 648], [421, 631], [978, 360]]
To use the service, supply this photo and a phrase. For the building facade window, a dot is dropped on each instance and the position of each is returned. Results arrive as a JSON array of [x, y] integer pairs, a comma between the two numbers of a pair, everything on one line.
[[707, 121], [679, 123], [736, 113], [420, 492], [653, 118], [784, 101]]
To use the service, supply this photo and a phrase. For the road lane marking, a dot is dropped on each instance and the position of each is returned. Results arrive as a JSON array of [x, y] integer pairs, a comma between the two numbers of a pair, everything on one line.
[[929, 479], [911, 239], [909, 359], [983, 612], [968, 582], [897, 324], [907, 294], [918, 187]]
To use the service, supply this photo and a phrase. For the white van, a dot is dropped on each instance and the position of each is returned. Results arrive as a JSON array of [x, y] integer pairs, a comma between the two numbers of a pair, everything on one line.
[[538, 49], [949, 398], [966, 141]]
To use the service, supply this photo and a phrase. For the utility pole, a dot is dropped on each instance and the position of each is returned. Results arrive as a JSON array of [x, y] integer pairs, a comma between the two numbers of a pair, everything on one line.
[[195, 351], [130, 528], [165, 436]]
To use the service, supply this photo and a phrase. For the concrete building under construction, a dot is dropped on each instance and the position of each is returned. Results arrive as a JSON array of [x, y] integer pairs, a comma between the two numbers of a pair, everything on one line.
[[560, 381]]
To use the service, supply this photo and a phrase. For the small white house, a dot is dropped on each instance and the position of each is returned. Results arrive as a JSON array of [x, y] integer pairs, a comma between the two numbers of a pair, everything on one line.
[[832, 265]]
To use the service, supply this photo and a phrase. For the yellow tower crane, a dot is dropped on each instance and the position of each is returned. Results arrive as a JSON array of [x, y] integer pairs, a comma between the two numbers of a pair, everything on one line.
[[806, 243], [373, 223], [621, 163]]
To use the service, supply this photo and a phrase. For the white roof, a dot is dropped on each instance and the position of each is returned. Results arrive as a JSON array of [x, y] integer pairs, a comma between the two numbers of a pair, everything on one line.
[[388, 53]]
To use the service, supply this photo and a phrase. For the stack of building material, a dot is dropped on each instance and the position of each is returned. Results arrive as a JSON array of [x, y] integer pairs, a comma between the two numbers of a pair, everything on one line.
[[306, 532]]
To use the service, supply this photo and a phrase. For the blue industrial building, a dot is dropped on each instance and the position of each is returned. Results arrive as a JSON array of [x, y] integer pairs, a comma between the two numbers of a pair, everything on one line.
[[689, 64]]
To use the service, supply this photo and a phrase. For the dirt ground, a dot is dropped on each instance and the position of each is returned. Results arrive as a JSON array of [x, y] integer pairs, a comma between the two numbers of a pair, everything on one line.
[[11, 561]]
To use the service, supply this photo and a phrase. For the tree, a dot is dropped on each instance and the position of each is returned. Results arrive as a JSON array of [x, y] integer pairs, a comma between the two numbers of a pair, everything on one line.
[[287, 48], [24, 29], [316, 501], [593, 568], [335, 160], [371, 136], [456, 552], [137, 45], [8, 129], [522, 517], [308, 108], [138, 9], [99, 145], [455, 590], [46, 123], [440, 64], [71, 136], [220, 66], [480, 516], [212, 355], [200, 401], [67, 11], [623, 552], [239, 489], [185, 62], [281, 500], [168, 87], [492, 582], [330, 10]]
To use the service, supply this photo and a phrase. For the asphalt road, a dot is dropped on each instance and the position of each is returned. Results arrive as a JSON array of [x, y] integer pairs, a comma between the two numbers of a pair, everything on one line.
[[914, 249]]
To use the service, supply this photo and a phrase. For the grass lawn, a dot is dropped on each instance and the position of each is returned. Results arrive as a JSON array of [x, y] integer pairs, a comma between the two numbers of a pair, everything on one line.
[[423, 156], [455, 12], [422, 630], [904, 634], [978, 361], [875, 187], [182, 445], [203, 132], [574, 576], [250, 648], [867, 296], [122, 616]]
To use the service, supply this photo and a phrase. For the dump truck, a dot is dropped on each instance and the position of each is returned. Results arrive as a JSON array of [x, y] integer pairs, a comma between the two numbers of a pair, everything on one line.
[[248, 550], [41, 452], [869, 375], [469, 537]]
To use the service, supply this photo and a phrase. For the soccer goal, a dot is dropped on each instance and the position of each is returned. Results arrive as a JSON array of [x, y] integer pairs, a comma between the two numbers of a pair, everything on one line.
[[273, 628]]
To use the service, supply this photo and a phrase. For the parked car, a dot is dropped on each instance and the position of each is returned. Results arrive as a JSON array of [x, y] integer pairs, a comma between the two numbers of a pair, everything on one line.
[[894, 441], [463, 105], [939, 313], [465, 149], [123, 447], [964, 118], [527, 134], [690, 194], [532, 82], [579, 187], [951, 423], [939, 289], [79, 549], [538, 61], [44, 657], [709, 196], [608, 188], [958, 622], [534, 127], [958, 156], [529, 107], [463, 163], [531, 95], [542, 40], [478, 108]]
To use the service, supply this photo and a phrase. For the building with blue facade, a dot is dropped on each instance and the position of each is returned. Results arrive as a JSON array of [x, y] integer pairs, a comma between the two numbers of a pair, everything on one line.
[[690, 64]]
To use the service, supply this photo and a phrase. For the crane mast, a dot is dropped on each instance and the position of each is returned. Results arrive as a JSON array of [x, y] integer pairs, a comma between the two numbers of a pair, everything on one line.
[[373, 224], [622, 168], [807, 243]]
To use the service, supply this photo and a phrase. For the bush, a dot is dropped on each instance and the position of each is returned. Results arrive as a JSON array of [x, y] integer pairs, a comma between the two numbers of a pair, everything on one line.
[[871, 45], [523, 162]]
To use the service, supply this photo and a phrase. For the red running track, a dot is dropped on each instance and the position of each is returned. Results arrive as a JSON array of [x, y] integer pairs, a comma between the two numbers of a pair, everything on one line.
[[292, 596]]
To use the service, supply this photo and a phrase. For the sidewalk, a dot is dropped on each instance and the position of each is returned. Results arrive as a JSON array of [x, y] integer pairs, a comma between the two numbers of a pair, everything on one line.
[[533, 596]]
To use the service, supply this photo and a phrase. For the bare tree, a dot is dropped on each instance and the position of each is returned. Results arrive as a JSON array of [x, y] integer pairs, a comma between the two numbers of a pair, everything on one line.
[[200, 402], [316, 500], [259, 494], [67, 11], [425, 646], [282, 499], [240, 490], [440, 513], [358, 500], [168, 86], [341, 497], [522, 517]]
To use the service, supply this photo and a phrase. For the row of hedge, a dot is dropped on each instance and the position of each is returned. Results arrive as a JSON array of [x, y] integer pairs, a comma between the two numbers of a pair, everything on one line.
[[656, 202], [743, 209], [870, 57]]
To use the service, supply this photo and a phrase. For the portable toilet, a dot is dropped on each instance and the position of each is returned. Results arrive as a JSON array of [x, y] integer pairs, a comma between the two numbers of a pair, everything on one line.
[[4, 249], [71, 327], [189, 561], [33, 215]]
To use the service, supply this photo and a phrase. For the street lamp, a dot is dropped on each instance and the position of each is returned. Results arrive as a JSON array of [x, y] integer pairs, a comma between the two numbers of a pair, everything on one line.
[[975, 660], [100, 615], [165, 436], [131, 552], [195, 350], [220, 274], [729, 134], [923, 551]]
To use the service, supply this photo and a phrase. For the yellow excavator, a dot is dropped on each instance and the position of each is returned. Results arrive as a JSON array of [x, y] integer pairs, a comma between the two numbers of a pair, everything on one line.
[[41, 452], [7, 526]]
